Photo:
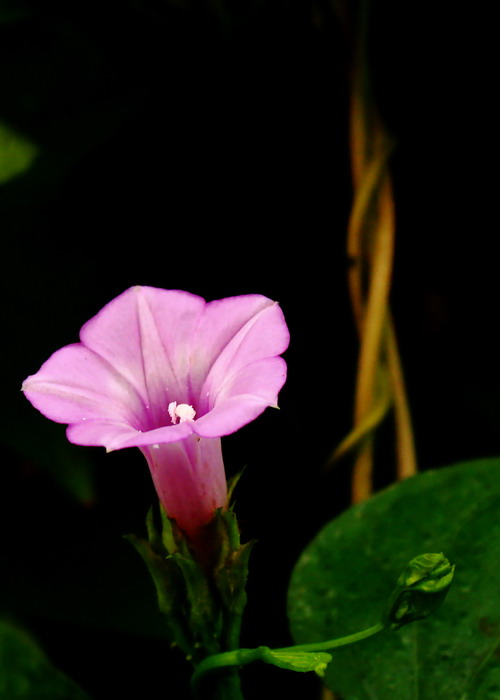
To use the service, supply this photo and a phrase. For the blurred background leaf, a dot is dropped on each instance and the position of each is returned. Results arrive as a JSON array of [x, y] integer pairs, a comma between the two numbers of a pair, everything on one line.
[[25, 671], [16, 153]]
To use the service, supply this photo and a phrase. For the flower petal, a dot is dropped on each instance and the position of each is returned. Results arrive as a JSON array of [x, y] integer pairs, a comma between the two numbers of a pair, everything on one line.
[[149, 349], [116, 436], [75, 385], [146, 335], [107, 434], [243, 397], [168, 434], [222, 320], [263, 336]]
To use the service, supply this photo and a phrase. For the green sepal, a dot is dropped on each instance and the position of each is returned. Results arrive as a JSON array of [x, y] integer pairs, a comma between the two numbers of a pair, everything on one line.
[[231, 486], [231, 569], [420, 589], [302, 661], [232, 576], [155, 539], [182, 587], [169, 539], [200, 585], [170, 591], [230, 573], [204, 617]]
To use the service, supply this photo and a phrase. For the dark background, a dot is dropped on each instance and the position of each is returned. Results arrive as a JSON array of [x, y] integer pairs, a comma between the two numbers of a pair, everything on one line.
[[204, 146]]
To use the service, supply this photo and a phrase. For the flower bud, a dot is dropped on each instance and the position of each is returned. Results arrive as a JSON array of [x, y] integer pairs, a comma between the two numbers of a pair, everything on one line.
[[420, 589]]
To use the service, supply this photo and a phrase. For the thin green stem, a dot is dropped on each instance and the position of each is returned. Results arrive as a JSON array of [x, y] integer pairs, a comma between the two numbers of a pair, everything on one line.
[[241, 657], [223, 661], [233, 631], [336, 643], [227, 686]]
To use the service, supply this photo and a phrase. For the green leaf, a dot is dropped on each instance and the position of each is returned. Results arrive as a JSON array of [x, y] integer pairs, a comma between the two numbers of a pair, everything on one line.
[[25, 671], [302, 661], [16, 153], [343, 581]]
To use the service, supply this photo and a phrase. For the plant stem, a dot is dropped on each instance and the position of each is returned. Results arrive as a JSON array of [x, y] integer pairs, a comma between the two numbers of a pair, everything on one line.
[[241, 657], [336, 643], [226, 686]]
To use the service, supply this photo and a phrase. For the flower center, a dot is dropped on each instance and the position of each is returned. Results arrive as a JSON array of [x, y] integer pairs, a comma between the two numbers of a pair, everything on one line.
[[183, 412]]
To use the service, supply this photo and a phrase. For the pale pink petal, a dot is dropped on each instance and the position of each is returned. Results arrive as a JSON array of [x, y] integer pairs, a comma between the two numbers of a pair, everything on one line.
[[177, 316], [76, 385], [222, 320], [146, 335], [116, 436], [264, 335], [243, 397], [167, 434], [106, 434]]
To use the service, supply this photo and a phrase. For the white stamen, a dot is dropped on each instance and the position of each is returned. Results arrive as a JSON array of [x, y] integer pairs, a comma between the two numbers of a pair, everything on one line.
[[171, 411], [183, 412]]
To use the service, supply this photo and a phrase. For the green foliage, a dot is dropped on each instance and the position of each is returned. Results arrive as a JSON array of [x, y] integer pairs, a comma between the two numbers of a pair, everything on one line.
[[231, 570], [16, 153], [25, 671], [200, 585], [298, 660], [420, 589], [169, 589], [344, 579]]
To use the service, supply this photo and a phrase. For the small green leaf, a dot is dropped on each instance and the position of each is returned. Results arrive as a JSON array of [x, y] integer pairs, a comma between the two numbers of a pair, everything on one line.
[[303, 661], [344, 579], [26, 673]]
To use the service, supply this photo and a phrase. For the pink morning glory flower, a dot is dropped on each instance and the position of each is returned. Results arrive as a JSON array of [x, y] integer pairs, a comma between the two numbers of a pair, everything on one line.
[[165, 371]]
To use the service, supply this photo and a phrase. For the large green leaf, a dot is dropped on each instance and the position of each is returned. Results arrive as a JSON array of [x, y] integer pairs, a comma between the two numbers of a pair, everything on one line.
[[343, 580], [25, 671]]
